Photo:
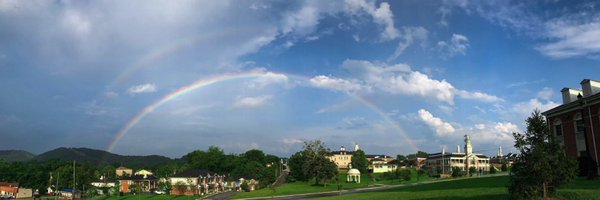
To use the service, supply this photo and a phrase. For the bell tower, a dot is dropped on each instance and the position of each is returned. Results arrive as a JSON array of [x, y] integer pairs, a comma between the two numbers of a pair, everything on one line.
[[468, 146]]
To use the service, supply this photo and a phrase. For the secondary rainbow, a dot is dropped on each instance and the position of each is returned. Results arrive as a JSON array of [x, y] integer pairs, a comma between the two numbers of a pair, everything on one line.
[[228, 77]]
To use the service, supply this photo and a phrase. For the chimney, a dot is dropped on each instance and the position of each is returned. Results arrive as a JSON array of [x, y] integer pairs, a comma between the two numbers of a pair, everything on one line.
[[569, 94], [457, 148], [590, 87]]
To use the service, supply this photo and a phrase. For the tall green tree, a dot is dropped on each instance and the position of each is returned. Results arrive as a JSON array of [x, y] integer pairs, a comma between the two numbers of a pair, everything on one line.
[[542, 165], [296, 164], [317, 164], [359, 161]]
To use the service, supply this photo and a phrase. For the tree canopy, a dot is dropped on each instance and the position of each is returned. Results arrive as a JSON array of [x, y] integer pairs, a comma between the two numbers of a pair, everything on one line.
[[317, 164], [542, 165], [359, 161]]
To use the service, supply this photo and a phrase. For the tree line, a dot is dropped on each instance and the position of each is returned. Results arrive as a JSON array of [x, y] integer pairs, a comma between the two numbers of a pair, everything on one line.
[[42, 174]]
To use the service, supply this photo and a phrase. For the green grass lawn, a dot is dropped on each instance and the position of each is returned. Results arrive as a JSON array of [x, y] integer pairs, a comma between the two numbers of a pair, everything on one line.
[[487, 188], [146, 196], [309, 187]]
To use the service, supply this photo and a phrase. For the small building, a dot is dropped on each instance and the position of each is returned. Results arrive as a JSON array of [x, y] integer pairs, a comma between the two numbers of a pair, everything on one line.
[[13, 190], [353, 176], [236, 185], [444, 162], [123, 171], [197, 182], [380, 165], [145, 182], [69, 193], [103, 185]]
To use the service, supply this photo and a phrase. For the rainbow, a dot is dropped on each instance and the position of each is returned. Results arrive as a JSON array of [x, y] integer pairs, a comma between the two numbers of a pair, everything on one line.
[[228, 77], [166, 51]]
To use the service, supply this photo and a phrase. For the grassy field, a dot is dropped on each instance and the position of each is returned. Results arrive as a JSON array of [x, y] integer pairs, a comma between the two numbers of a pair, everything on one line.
[[488, 188], [309, 187], [147, 196]]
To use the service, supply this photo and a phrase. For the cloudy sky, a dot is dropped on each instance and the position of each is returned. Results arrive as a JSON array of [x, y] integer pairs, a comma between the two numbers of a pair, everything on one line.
[[393, 77]]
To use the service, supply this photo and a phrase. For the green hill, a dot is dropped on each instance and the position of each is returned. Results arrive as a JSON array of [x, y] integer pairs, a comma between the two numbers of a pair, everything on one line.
[[97, 157], [15, 155]]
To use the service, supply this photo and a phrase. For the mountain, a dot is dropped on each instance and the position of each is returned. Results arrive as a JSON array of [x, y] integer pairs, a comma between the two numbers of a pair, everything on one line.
[[96, 157], [15, 155]]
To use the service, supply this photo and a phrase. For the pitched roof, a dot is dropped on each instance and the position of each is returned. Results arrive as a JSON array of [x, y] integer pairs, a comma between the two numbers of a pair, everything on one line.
[[122, 168], [194, 173], [140, 177]]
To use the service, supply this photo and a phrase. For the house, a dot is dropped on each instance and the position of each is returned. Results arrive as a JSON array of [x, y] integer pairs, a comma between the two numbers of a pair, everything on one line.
[[123, 171], [576, 122], [197, 181], [342, 158], [146, 183], [69, 193], [103, 185], [236, 185], [444, 162], [13, 190], [380, 165]]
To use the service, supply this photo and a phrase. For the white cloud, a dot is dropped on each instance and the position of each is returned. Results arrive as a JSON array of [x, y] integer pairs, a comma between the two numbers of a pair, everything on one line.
[[572, 38], [458, 44], [301, 22], [338, 84], [561, 32], [441, 128], [382, 15], [483, 97], [252, 101], [526, 108], [400, 79], [291, 141], [268, 78], [143, 88], [491, 133], [409, 36], [546, 93]]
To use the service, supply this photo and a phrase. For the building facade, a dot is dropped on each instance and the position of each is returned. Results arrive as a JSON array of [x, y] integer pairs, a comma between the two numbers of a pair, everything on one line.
[[342, 158], [197, 182], [576, 122], [444, 162]]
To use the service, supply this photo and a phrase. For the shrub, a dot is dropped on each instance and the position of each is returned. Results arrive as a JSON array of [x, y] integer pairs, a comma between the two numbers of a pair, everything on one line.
[[504, 167], [492, 170], [472, 170], [456, 172]]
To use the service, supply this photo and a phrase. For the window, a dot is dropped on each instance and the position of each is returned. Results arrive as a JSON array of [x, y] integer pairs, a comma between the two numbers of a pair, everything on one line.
[[558, 128], [580, 135]]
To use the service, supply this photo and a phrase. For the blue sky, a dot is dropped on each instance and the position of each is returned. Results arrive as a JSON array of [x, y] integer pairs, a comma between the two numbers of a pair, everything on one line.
[[390, 76]]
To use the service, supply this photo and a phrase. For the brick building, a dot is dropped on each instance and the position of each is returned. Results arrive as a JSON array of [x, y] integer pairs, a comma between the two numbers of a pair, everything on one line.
[[575, 123]]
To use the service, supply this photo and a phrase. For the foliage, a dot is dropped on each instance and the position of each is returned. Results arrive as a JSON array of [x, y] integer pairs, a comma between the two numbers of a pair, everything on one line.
[[587, 167], [359, 161], [541, 167], [504, 167], [244, 186], [317, 164], [456, 172], [493, 170], [296, 163], [404, 174], [472, 171], [420, 172], [135, 188], [165, 186]]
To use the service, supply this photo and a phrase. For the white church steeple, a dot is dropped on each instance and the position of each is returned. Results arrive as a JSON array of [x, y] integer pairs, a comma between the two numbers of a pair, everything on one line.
[[468, 146]]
